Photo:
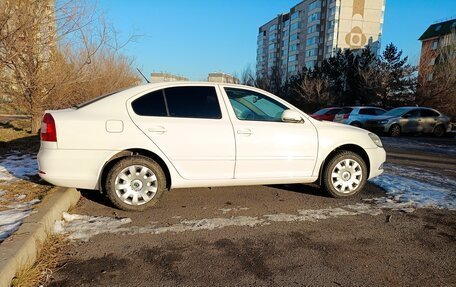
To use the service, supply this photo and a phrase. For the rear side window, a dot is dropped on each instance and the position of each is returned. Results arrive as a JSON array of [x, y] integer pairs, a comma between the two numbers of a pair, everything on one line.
[[193, 102], [180, 102], [379, 111], [367, 112], [429, 113], [345, 111], [151, 104]]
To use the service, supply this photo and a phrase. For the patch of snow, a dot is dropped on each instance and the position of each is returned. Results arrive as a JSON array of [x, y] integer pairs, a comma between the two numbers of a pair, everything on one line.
[[234, 209], [83, 227], [20, 196], [12, 218], [2, 192], [408, 188], [17, 165]]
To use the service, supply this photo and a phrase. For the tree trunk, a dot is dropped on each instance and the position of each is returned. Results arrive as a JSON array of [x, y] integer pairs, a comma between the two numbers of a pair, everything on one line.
[[36, 123]]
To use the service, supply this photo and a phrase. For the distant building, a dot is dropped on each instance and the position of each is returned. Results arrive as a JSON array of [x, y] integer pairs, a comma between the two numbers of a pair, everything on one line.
[[222, 78], [314, 30], [165, 77], [434, 40]]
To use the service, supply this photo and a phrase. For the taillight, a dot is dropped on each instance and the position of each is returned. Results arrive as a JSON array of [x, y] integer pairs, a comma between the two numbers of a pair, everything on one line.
[[346, 116], [48, 131]]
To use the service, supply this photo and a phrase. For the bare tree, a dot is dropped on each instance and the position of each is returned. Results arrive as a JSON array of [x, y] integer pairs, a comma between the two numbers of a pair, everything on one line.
[[313, 91], [48, 50]]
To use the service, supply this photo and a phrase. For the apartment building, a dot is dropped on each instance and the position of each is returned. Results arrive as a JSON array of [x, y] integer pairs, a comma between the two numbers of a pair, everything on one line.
[[219, 77], [165, 77], [434, 41], [314, 30]]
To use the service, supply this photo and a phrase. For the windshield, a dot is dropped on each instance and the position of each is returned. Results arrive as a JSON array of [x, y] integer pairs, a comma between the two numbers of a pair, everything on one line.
[[397, 112]]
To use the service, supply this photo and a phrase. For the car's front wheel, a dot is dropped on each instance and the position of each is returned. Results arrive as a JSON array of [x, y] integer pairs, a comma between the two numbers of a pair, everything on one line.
[[135, 183], [345, 174], [395, 130]]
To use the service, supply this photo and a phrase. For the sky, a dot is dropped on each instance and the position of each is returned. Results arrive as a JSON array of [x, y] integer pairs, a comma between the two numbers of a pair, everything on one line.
[[193, 38]]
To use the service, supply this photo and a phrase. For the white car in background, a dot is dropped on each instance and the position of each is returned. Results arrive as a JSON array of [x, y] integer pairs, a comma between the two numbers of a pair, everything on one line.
[[137, 143]]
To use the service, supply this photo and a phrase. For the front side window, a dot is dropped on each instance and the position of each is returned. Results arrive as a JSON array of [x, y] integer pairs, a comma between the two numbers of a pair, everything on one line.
[[253, 106]]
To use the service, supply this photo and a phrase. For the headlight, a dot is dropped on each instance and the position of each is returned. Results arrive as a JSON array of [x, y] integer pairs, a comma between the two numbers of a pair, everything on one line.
[[376, 139], [382, 122]]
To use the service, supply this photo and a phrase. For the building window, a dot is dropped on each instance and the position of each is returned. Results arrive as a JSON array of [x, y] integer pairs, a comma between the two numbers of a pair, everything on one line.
[[272, 37], [332, 11], [273, 28], [432, 62], [314, 5], [311, 41], [435, 44], [313, 17], [294, 37], [313, 28], [294, 26], [311, 52], [292, 68], [292, 58], [271, 55], [294, 47], [438, 28], [295, 15], [272, 47], [284, 42], [430, 77], [285, 33], [286, 23], [310, 64]]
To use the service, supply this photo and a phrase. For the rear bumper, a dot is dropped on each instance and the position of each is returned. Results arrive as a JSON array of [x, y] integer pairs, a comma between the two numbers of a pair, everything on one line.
[[377, 157], [72, 168]]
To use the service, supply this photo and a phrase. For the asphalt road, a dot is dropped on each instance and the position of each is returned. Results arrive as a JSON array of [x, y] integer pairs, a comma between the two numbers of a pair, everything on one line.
[[390, 248]]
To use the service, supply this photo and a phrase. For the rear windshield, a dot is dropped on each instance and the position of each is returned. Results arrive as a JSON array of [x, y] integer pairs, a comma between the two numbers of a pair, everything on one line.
[[91, 101]]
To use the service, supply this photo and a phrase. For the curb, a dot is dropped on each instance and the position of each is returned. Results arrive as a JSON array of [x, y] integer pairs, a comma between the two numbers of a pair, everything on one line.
[[21, 252]]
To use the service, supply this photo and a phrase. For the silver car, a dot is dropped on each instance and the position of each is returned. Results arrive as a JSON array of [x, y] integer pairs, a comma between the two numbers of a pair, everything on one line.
[[410, 120], [357, 116]]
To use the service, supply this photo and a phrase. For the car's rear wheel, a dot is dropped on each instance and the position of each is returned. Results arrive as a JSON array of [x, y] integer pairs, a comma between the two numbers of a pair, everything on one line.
[[345, 174], [439, 131], [135, 183], [395, 130]]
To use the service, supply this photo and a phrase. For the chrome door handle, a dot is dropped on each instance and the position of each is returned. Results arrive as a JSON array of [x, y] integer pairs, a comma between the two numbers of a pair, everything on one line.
[[245, 132], [157, 129]]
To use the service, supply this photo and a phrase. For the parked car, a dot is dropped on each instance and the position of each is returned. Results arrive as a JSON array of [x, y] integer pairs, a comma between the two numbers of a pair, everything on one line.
[[357, 116], [326, 114], [137, 143], [411, 120]]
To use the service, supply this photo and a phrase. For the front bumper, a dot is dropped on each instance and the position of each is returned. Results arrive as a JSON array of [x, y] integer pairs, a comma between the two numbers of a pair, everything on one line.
[[377, 157]]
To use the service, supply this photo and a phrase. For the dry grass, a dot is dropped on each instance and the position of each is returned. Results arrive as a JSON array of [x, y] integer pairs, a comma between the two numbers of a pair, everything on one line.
[[15, 135], [52, 255]]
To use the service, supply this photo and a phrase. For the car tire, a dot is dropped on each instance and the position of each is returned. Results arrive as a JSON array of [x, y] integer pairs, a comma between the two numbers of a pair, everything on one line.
[[356, 124], [135, 183], [439, 131], [344, 175], [395, 130]]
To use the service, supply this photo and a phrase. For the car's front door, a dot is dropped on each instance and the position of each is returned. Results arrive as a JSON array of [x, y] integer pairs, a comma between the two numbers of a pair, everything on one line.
[[266, 147], [410, 122], [191, 129]]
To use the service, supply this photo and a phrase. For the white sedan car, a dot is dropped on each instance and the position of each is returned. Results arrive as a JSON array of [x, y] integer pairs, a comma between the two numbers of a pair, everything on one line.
[[137, 143]]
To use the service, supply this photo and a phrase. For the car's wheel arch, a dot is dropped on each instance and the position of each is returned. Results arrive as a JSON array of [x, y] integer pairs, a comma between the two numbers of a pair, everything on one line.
[[347, 147], [130, 152]]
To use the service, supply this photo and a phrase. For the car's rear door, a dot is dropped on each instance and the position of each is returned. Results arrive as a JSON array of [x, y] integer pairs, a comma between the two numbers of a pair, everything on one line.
[[429, 119], [266, 147], [191, 128]]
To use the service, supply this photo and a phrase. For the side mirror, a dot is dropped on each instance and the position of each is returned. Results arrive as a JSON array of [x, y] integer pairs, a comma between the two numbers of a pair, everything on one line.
[[290, 116]]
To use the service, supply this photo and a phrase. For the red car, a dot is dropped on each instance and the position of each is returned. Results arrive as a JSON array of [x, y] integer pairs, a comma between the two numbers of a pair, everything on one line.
[[326, 114]]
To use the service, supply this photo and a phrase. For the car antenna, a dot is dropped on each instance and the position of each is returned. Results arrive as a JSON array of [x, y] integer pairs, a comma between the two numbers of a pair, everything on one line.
[[143, 76]]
